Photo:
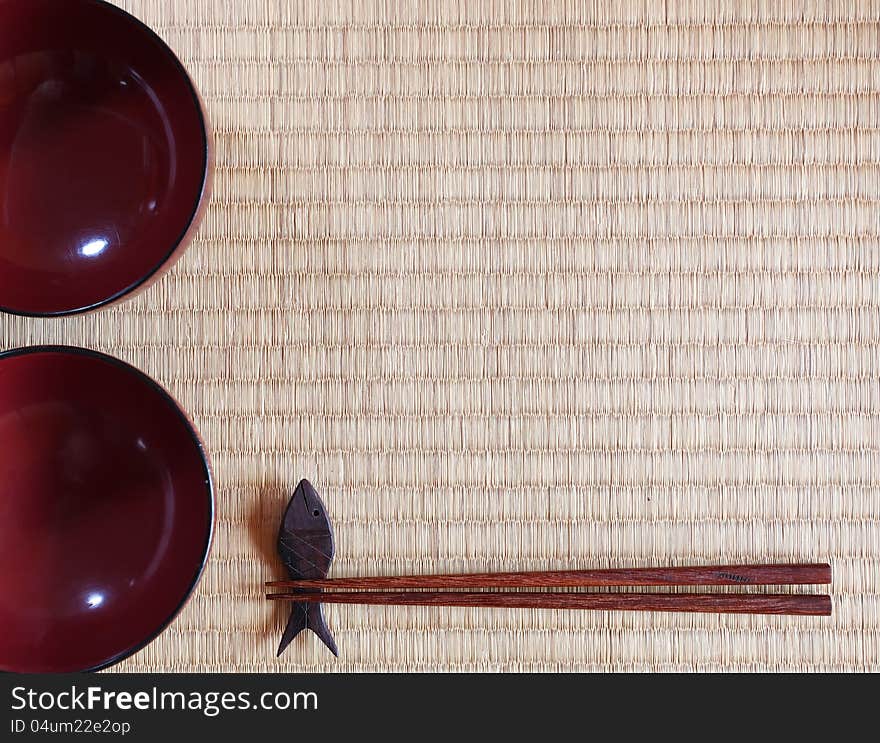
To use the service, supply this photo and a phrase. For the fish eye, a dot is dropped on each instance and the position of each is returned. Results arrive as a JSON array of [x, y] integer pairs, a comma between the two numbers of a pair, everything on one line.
[[316, 512]]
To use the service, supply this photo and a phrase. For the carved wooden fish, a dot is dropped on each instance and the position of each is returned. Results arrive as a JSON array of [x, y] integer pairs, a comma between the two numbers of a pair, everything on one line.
[[305, 545]]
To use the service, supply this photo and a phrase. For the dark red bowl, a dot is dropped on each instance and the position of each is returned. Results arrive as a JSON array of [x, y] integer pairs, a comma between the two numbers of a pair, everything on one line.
[[105, 162], [106, 510]]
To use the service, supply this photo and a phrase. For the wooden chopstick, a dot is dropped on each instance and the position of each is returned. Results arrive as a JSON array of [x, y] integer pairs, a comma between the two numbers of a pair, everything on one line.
[[719, 575], [723, 603]]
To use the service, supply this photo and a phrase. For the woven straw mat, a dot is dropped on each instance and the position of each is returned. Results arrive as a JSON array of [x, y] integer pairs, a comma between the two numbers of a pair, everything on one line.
[[527, 285]]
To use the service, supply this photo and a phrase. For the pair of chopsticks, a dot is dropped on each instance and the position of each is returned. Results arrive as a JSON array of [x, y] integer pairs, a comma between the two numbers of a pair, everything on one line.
[[420, 590]]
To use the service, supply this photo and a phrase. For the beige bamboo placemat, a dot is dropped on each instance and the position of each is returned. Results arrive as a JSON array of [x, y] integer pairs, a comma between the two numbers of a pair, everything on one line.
[[528, 285]]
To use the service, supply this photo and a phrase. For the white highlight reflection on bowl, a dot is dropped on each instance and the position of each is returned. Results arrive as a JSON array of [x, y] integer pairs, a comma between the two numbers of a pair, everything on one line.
[[94, 248]]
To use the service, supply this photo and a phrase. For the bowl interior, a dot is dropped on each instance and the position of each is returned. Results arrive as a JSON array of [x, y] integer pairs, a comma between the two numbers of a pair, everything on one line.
[[105, 510], [103, 155]]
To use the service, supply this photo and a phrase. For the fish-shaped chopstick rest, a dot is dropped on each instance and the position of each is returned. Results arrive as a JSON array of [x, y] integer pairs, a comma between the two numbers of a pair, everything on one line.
[[305, 545]]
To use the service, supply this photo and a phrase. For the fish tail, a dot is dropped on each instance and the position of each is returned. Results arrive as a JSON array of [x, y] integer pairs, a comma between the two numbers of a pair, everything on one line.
[[307, 616]]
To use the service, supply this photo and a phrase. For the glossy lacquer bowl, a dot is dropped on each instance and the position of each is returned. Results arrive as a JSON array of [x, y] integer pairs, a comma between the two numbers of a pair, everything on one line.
[[105, 163], [106, 510]]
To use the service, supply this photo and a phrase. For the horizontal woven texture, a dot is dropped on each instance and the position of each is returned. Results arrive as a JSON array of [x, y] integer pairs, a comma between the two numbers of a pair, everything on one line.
[[527, 285]]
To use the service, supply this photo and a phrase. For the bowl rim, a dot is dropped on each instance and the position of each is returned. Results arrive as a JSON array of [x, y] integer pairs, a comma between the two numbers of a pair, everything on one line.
[[210, 487], [144, 281]]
